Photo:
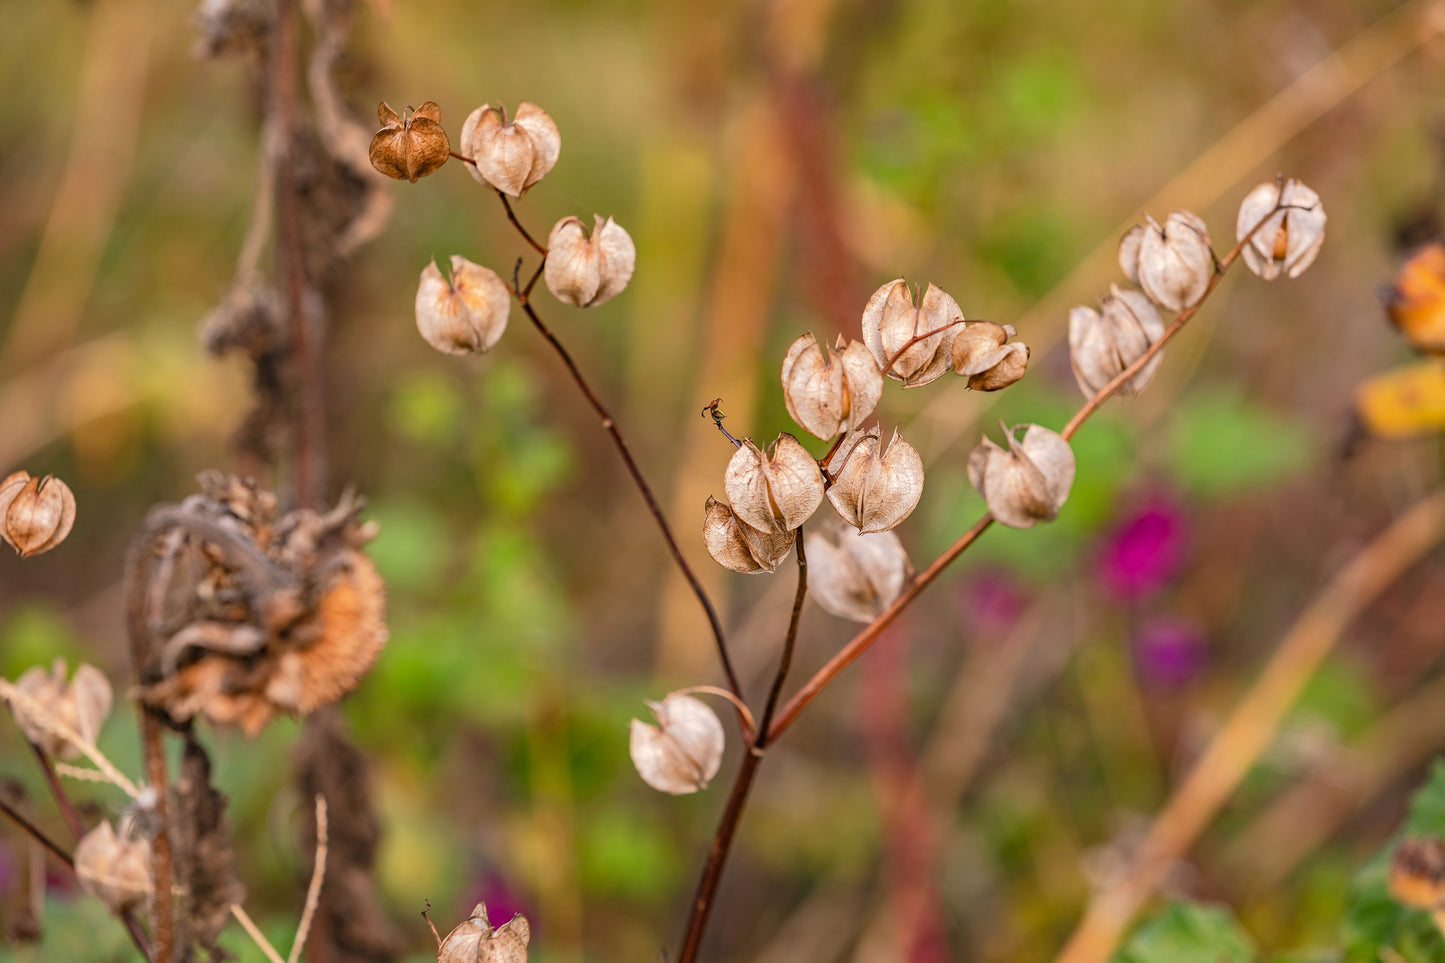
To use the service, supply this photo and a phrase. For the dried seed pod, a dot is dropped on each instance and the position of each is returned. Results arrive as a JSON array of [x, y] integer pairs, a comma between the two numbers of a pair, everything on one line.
[[891, 319], [411, 144], [1172, 263], [875, 491], [1027, 482], [81, 705], [474, 940], [1415, 301], [36, 514], [1417, 872], [1291, 238], [683, 751], [115, 868], [737, 546], [1103, 345], [827, 395], [981, 355], [464, 315], [510, 155], [855, 576], [774, 491], [584, 271]]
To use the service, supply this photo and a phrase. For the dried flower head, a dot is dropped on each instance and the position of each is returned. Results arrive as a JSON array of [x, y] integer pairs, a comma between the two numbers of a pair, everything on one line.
[[1027, 482], [1415, 301], [36, 514], [776, 490], [1417, 872], [466, 314], [474, 940], [411, 144], [876, 490], [825, 394], [738, 546], [683, 751], [1101, 345], [855, 576], [893, 317], [585, 271], [115, 867], [510, 155], [983, 354], [1172, 263], [1290, 239], [80, 705]]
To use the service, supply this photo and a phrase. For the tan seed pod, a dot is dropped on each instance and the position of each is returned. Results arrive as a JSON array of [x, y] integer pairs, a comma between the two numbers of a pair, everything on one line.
[[1103, 344], [854, 576], [875, 491], [682, 753], [774, 491], [1173, 263], [1027, 482], [81, 705], [983, 354], [892, 318], [465, 315], [510, 155], [1417, 872], [585, 271], [411, 144], [474, 940], [1289, 241], [825, 394], [737, 546], [115, 868], [36, 514]]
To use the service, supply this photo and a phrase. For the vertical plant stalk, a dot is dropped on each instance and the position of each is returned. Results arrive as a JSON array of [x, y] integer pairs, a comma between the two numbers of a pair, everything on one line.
[[161, 858]]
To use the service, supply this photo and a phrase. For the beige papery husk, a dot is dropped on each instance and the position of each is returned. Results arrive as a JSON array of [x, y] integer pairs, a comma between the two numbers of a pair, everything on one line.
[[682, 753], [875, 490], [1172, 262], [510, 156], [474, 940], [585, 270], [115, 867], [893, 317], [854, 576], [983, 354], [1288, 242], [36, 514], [80, 704], [410, 144], [1103, 343], [826, 394], [738, 546], [774, 490], [1027, 482], [463, 314]]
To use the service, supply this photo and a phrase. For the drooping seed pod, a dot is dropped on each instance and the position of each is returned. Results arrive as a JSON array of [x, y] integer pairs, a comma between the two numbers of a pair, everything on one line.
[[825, 394], [411, 144], [682, 753], [738, 546], [36, 514], [115, 868], [510, 155], [854, 576], [80, 705], [1172, 263], [474, 940], [892, 319], [983, 354], [776, 490], [876, 490], [1027, 482], [1417, 872], [584, 271], [1415, 301], [466, 314], [1101, 345], [1290, 239]]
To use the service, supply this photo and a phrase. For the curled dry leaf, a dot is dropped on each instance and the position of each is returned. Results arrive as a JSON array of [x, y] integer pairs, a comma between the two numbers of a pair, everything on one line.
[[584, 271], [474, 940], [510, 155], [1289, 241], [115, 867], [1027, 482], [410, 144], [682, 753], [81, 705], [774, 491], [892, 318], [36, 514], [1173, 263], [738, 546], [825, 394], [465, 315], [855, 576], [1101, 345], [875, 491], [1417, 872], [1415, 301], [983, 354]]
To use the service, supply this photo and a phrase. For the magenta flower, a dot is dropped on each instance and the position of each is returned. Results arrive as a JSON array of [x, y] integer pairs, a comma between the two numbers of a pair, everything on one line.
[[1169, 651], [1145, 551], [992, 601]]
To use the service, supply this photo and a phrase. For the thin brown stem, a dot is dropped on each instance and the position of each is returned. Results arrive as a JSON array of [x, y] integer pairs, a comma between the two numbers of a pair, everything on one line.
[[888, 368], [36, 833], [57, 791], [512, 216], [789, 643]]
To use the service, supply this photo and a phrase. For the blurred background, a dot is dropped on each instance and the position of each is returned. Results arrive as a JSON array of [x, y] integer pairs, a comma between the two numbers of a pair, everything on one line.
[[775, 163]]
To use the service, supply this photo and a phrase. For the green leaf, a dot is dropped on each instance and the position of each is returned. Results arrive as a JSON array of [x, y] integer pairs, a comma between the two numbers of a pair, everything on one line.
[[1189, 933], [1222, 442]]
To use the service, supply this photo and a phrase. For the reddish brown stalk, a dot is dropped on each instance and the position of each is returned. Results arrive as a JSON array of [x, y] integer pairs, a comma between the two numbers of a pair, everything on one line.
[[36, 833], [57, 791], [512, 216], [786, 662], [155, 760], [914, 340]]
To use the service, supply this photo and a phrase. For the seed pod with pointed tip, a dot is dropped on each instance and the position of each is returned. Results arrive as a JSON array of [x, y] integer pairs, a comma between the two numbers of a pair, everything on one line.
[[465, 315], [854, 576], [1102, 345], [875, 491], [584, 271], [115, 868], [36, 514], [1172, 263], [682, 753], [510, 155], [81, 705], [474, 940], [981, 354], [1290, 239], [1417, 872], [1027, 482], [828, 395], [411, 144], [1415, 301], [774, 491], [891, 319], [737, 546]]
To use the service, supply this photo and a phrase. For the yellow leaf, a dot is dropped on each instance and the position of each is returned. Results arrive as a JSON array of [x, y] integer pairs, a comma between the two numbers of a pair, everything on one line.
[[1403, 403]]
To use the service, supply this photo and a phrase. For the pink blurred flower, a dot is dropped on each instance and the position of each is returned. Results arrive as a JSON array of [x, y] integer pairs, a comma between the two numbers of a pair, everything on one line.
[[1145, 551], [502, 901], [1169, 651], [992, 601]]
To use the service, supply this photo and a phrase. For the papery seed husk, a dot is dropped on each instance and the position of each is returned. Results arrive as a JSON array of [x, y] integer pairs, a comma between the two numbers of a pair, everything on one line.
[[1303, 229], [510, 157], [738, 546], [466, 315], [474, 940], [981, 355], [826, 395], [1103, 345], [855, 576], [115, 870], [891, 319], [1029, 481], [1129, 251], [586, 271], [1175, 261], [409, 148], [774, 492], [874, 491], [38, 515], [682, 753]]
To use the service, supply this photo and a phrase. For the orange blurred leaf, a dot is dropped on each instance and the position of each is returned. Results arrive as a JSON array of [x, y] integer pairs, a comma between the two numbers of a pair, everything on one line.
[[1405, 402]]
